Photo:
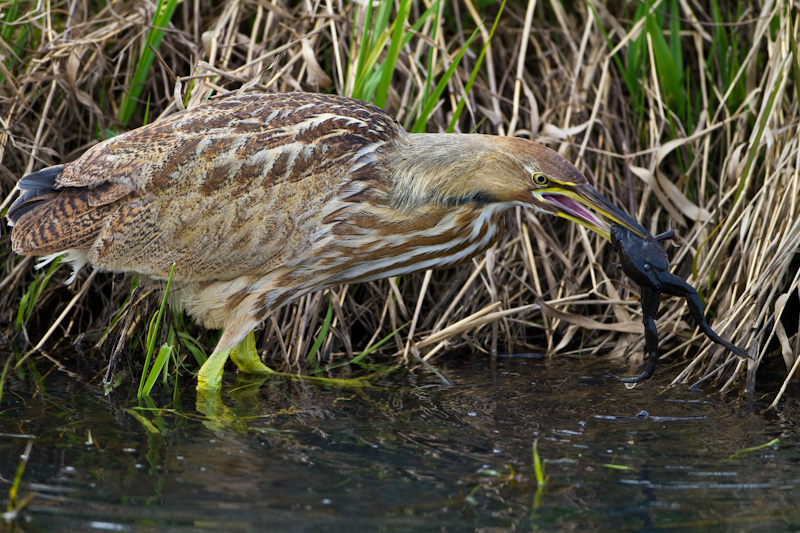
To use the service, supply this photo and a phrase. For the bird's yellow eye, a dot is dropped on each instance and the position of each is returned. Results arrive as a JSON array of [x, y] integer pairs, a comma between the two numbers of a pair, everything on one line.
[[539, 179]]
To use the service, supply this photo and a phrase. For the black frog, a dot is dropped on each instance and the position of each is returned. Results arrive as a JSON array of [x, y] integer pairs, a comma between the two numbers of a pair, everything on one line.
[[645, 261]]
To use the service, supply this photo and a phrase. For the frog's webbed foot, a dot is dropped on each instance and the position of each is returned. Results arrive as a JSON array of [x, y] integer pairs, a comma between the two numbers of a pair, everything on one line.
[[647, 373], [672, 284], [650, 302]]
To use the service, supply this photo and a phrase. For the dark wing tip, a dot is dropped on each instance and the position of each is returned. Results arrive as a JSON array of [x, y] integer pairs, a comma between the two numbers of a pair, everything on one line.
[[35, 189]]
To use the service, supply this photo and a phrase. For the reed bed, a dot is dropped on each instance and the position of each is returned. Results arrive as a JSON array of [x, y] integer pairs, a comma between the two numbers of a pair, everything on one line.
[[676, 109]]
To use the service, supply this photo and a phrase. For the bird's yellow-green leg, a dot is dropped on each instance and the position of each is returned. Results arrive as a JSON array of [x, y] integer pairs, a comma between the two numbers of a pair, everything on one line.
[[209, 378], [245, 357]]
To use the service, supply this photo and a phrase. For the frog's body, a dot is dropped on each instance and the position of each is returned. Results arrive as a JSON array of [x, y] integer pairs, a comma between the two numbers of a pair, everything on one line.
[[645, 261]]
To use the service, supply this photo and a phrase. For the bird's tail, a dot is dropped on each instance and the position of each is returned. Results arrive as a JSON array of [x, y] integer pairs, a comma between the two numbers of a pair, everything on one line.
[[35, 189]]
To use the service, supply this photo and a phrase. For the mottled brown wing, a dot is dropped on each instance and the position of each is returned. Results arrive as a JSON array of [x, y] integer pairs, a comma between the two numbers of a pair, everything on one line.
[[230, 188]]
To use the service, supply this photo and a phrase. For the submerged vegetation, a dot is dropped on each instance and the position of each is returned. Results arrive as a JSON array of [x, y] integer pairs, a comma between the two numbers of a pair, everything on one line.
[[679, 111]]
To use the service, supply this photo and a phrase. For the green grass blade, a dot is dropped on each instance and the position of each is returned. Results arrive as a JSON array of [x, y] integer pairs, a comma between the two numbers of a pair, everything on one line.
[[474, 74], [675, 35], [635, 56], [373, 40], [4, 374], [739, 453], [27, 304], [430, 65], [670, 78], [755, 146], [150, 339], [370, 75], [393, 54], [377, 345], [158, 366], [361, 60], [15, 35], [617, 58], [11, 14], [185, 338], [541, 479], [795, 61], [373, 77], [538, 465], [146, 119], [612, 466], [152, 333], [323, 332], [194, 347], [146, 424], [433, 100], [161, 19], [13, 502]]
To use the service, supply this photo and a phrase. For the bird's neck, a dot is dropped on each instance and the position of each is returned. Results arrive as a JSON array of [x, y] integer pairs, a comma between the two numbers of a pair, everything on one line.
[[440, 169], [419, 206]]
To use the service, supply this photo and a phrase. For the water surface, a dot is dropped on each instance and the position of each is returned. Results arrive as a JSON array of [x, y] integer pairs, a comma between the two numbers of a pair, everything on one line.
[[405, 455]]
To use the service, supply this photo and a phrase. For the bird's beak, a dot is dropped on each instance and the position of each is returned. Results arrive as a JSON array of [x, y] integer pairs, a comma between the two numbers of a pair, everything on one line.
[[584, 205]]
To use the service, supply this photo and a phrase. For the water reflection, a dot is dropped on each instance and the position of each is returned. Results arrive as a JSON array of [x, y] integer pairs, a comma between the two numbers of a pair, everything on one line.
[[405, 454]]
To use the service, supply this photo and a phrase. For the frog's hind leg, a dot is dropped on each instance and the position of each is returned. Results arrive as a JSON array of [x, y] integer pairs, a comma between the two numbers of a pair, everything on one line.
[[650, 303], [672, 284]]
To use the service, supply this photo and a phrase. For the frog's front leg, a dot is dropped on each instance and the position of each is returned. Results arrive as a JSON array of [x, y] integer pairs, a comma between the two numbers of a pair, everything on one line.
[[669, 234], [651, 300]]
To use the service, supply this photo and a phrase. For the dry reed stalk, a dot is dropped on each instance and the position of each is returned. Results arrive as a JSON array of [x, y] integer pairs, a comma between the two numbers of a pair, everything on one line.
[[728, 179]]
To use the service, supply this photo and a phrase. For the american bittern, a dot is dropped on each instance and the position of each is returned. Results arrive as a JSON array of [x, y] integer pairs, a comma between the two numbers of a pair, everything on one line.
[[260, 199]]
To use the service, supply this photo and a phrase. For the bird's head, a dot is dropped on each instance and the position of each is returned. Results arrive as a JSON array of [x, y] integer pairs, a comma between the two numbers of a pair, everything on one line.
[[549, 183], [457, 169]]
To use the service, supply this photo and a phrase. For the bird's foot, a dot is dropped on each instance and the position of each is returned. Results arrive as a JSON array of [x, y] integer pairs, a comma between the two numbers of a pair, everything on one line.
[[209, 378], [245, 357]]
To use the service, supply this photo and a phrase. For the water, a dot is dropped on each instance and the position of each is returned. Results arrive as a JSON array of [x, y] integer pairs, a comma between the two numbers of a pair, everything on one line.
[[405, 455]]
